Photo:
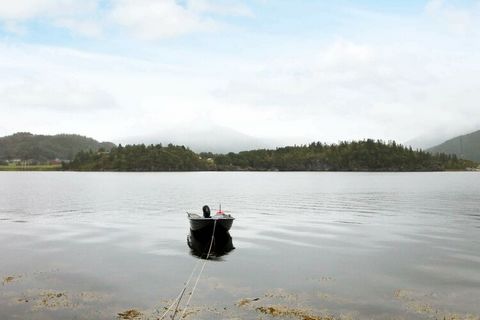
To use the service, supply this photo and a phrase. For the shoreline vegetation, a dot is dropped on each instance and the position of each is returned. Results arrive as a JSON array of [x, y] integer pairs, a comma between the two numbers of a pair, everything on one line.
[[28, 167], [365, 155]]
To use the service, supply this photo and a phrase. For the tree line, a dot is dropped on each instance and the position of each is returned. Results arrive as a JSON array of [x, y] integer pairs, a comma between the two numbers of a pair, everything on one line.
[[365, 155], [138, 158]]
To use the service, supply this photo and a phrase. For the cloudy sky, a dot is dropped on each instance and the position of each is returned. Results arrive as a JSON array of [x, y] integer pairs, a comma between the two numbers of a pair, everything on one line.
[[289, 71]]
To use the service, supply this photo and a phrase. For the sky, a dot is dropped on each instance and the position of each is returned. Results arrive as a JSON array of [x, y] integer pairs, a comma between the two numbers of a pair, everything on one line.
[[279, 70]]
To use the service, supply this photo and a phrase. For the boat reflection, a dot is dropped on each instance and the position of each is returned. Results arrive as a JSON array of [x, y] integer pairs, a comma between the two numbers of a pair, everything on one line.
[[199, 243]]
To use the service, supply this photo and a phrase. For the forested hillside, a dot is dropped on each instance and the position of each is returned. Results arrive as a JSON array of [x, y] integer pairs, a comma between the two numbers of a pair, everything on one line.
[[41, 148], [139, 158], [466, 146]]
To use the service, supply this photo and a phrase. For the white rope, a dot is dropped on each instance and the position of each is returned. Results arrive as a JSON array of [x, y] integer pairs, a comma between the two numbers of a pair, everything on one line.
[[181, 292], [178, 303], [201, 270], [179, 297], [173, 303]]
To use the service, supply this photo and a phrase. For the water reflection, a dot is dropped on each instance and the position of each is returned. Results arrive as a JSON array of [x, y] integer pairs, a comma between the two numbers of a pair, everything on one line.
[[199, 243]]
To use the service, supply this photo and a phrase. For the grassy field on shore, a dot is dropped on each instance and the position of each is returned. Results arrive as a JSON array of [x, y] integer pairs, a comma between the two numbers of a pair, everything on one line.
[[39, 167]]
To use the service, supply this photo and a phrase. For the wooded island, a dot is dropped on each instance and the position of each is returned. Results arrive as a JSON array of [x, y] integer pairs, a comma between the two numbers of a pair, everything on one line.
[[365, 155]]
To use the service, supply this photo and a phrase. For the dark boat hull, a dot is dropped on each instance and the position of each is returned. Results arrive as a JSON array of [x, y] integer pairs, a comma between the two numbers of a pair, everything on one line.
[[204, 224], [221, 222]]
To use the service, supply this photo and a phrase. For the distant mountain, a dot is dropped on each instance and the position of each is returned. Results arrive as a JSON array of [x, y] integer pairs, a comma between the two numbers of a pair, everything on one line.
[[466, 146], [426, 141], [216, 139], [27, 146], [435, 136]]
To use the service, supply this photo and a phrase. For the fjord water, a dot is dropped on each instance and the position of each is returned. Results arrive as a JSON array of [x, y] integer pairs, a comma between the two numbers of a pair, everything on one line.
[[349, 245]]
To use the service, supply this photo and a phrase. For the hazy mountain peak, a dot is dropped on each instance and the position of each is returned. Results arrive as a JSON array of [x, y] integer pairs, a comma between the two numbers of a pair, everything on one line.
[[217, 139], [466, 146]]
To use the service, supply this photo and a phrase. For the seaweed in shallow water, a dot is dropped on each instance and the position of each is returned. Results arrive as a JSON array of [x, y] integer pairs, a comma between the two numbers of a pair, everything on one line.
[[130, 314]]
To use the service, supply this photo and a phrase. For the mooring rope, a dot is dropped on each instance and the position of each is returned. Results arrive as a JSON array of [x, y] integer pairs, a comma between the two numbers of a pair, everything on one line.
[[201, 270], [180, 296]]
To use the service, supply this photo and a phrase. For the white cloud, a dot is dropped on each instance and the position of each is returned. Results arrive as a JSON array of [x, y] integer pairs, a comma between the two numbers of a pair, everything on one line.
[[156, 19], [352, 91], [86, 28], [222, 7], [51, 90], [58, 95], [21, 10], [434, 6], [145, 19], [340, 90], [64, 13], [152, 19], [460, 20]]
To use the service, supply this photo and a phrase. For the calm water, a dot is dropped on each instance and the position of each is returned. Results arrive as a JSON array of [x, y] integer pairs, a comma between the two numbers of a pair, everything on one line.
[[348, 245]]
